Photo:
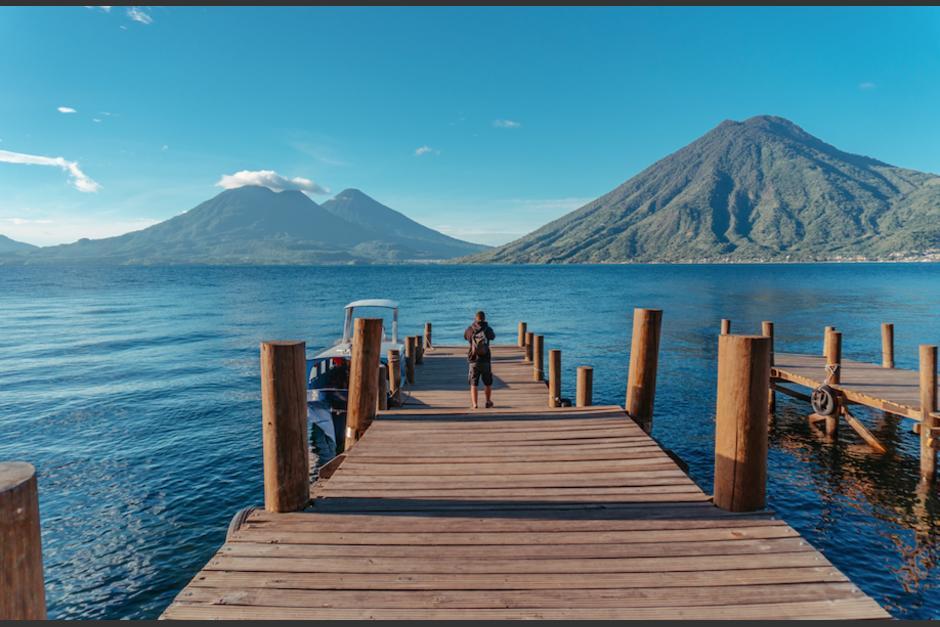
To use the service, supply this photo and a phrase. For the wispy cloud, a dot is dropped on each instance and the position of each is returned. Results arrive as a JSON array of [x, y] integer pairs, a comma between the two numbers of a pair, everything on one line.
[[77, 178], [867, 85], [506, 124], [66, 110], [270, 179], [139, 14], [426, 150], [106, 9]]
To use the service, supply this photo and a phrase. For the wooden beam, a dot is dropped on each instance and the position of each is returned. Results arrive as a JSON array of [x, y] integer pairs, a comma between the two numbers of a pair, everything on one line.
[[22, 595], [741, 422], [644, 361], [862, 431], [585, 387], [928, 405], [887, 345], [364, 377], [284, 426]]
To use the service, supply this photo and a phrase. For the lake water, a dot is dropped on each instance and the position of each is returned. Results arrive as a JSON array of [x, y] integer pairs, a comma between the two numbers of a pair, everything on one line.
[[135, 393]]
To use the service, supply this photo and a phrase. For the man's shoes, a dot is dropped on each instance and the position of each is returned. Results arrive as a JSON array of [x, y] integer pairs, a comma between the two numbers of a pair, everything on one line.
[[489, 404]]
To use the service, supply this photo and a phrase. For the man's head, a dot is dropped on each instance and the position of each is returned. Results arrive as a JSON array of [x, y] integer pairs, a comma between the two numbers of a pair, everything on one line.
[[481, 317]]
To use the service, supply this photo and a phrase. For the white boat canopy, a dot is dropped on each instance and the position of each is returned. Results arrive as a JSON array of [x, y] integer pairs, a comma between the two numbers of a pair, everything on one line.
[[370, 302], [373, 302]]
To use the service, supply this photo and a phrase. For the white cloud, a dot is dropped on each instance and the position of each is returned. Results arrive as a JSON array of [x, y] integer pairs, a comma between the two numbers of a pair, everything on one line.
[[506, 124], [270, 179], [139, 15], [103, 8], [66, 110], [426, 150], [866, 85], [77, 178], [97, 120]]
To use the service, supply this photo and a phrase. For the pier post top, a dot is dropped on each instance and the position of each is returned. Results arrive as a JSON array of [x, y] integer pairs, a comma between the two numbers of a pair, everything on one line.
[[281, 342], [15, 474]]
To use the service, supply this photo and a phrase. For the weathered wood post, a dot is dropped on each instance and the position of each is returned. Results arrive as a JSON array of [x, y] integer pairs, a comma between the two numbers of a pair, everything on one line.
[[644, 359], [427, 335], [887, 345], [826, 333], [410, 359], [833, 374], [382, 399], [522, 332], [554, 378], [538, 357], [928, 405], [419, 349], [394, 375], [725, 326], [767, 330], [284, 426], [363, 378], [741, 422], [22, 595], [529, 341], [585, 387]]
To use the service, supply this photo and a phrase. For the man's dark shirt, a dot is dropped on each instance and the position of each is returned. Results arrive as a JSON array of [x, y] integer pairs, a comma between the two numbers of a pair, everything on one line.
[[472, 330]]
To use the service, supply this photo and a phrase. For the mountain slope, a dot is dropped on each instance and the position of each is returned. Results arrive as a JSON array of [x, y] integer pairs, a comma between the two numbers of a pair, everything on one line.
[[250, 225], [762, 189], [389, 225], [8, 245]]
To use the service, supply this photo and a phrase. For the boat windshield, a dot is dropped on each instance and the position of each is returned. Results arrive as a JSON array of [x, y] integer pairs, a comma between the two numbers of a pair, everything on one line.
[[388, 315]]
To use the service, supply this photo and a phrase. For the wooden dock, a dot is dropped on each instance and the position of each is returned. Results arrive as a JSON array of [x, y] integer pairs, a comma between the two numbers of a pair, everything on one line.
[[893, 390], [521, 511]]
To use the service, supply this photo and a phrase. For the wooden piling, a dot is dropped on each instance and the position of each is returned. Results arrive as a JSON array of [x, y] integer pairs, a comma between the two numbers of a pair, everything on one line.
[[585, 387], [22, 595], [363, 378], [741, 422], [522, 332], [928, 405], [826, 333], [725, 326], [538, 357], [419, 350], [554, 378], [887, 345], [394, 375], [833, 374], [382, 397], [284, 426], [767, 330], [410, 359], [644, 359], [427, 336], [529, 340]]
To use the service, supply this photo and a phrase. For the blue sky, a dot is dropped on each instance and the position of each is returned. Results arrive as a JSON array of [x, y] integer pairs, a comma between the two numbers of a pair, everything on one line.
[[483, 122]]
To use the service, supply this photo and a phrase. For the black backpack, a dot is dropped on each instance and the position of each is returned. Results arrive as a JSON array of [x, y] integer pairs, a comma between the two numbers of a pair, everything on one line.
[[479, 345]]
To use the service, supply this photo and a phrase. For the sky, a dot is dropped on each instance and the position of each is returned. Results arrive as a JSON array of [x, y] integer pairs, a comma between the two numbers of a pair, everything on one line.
[[484, 123]]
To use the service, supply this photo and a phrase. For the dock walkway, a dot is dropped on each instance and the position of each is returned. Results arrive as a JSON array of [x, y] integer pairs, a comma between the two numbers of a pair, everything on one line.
[[521, 511]]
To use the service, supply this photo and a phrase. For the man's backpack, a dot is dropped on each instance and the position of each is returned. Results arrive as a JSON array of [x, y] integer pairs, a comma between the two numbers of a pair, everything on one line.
[[479, 345]]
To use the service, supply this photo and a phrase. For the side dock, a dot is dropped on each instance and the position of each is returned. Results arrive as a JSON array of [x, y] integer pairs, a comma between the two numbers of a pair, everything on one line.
[[532, 509]]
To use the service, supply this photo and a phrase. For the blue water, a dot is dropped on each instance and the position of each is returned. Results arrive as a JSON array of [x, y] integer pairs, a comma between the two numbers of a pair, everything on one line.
[[135, 393]]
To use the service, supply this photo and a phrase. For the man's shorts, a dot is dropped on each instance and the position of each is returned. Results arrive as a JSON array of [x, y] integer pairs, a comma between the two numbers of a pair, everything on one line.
[[480, 370]]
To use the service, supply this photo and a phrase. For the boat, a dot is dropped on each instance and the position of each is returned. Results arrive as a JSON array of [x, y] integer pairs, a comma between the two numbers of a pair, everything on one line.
[[328, 376]]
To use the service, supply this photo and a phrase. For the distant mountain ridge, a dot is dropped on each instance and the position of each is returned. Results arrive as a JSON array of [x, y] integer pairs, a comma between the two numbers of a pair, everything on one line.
[[758, 190], [8, 245], [255, 225]]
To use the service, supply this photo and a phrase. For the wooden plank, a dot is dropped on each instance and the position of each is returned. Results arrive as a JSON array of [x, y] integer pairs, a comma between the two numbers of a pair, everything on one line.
[[543, 537], [514, 581], [483, 551], [851, 608]]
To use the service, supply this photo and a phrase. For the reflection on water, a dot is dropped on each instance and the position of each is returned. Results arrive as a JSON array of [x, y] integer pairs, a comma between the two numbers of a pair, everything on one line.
[[135, 393]]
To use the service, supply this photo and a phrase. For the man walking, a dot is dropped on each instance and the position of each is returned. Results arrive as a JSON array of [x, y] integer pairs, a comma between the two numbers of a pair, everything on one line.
[[479, 334]]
